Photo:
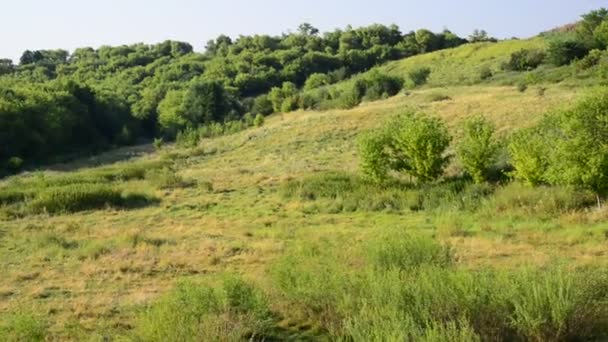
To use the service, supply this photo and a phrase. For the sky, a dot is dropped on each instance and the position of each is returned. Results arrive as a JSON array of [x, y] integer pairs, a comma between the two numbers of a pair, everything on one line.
[[68, 24]]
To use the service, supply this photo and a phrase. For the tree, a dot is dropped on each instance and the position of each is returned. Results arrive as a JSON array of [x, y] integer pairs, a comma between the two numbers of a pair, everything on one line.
[[307, 29], [480, 36], [478, 148], [585, 30], [419, 76], [423, 140], [413, 143], [426, 40], [579, 151]]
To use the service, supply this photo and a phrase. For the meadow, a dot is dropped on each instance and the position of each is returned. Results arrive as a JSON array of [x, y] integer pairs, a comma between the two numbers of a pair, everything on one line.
[[271, 233]]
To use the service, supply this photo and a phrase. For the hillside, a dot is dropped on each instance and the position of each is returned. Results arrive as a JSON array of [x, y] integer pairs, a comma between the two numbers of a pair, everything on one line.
[[271, 233]]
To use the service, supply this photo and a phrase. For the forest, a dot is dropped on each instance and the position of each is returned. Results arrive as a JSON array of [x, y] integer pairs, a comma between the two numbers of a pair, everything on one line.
[[56, 103]]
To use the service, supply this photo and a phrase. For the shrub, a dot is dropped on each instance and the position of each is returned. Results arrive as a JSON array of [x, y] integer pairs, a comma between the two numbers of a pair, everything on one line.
[[422, 142], [438, 97], [248, 120], [191, 312], [79, 197], [378, 86], [544, 201], [316, 80], [592, 59], [419, 76], [529, 155], [187, 138], [524, 60], [158, 143], [23, 327], [375, 154], [353, 95], [397, 249], [258, 121], [167, 178], [522, 87], [262, 105], [562, 52], [485, 73], [14, 164], [477, 150]]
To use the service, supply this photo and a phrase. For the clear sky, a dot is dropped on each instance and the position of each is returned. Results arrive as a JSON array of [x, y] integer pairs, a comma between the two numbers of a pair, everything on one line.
[[67, 24]]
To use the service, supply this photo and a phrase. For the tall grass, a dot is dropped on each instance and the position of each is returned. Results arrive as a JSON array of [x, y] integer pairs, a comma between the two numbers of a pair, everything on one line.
[[412, 290], [231, 312]]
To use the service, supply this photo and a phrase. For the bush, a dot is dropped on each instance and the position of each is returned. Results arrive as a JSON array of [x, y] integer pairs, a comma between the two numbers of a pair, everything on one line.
[[421, 141], [438, 97], [524, 60], [529, 155], [317, 80], [353, 95], [485, 73], [522, 87], [477, 150], [562, 52], [258, 121], [79, 197], [167, 178], [419, 76], [191, 312], [262, 105], [413, 143], [397, 249], [23, 327], [592, 59], [158, 143], [14, 164], [378, 86], [188, 138]]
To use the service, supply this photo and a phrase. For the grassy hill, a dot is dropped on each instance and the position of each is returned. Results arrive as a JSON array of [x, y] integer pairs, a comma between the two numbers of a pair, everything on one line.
[[253, 202]]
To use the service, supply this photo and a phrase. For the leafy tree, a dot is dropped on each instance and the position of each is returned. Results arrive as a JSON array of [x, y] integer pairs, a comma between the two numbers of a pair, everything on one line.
[[579, 152], [426, 40], [478, 147], [316, 80], [375, 154], [423, 141], [480, 36], [262, 105], [563, 51], [586, 28]]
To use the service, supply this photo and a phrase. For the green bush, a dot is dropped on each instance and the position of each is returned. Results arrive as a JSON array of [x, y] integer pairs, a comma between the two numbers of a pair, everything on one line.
[[438, 97], [419, 76], [524, 60], [544, 201], [522, 87], [477, 150], [74, 198], [191, 312], [262, 105], [413, 291], [353, 95], [592, 59], [561, 52], [397, 249], [529, 155], [485, 73], [166, 178], [23, 327], [316, 80], [14, 164], [187, 138], [258, 121], [379, 86], [413, 143]]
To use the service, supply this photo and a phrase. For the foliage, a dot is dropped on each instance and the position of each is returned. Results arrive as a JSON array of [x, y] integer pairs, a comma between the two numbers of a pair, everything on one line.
[[528, 150], [563, 51], [258, 121], [235, 310], [419, 76], [524, 60], [478, 148]]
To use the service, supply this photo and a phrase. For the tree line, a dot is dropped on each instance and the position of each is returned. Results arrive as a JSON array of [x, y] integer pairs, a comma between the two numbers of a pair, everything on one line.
[[54, 102]]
